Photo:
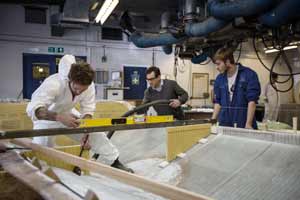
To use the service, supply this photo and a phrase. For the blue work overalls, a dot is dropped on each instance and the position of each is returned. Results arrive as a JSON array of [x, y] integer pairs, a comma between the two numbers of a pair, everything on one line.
[[246, 89]]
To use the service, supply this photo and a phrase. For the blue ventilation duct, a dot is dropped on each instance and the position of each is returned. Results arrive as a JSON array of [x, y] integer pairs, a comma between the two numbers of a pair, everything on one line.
[[207, 53], [239, 8], [204, 28], [199, 59], [223, 13], [285, 12], [191, 29], [168, 49], [200, 29]]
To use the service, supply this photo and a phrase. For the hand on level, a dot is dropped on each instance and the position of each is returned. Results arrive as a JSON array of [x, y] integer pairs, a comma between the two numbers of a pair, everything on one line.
[[68, 120], [175, 103]]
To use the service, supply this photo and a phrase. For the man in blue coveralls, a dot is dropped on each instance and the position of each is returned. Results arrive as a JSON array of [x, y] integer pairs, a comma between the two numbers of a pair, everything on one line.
[[236, 90]]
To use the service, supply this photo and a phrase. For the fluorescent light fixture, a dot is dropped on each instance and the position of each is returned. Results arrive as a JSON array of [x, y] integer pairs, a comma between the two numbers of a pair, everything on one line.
[[272, 50], [106, 9], [95, 5], [292, 45]]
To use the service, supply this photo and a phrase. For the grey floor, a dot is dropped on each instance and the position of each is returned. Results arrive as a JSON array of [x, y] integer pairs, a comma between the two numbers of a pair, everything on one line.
[[227, 167]]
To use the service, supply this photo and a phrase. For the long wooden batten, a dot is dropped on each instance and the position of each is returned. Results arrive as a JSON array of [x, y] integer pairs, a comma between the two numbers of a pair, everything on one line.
[[160, 189]]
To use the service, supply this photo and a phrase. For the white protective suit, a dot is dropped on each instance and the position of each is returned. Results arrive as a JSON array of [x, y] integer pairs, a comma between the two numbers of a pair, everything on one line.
[[55, 94], [272, 103]]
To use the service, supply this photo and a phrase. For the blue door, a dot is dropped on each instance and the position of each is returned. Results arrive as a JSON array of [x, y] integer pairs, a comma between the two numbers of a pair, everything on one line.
[[36, 68], [135, 80]]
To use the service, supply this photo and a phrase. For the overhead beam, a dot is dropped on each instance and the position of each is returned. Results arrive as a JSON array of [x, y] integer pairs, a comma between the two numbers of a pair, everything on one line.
[[164, 190]]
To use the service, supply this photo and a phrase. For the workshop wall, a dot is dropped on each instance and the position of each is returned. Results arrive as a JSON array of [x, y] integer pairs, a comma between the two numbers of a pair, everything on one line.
[[17, 38]]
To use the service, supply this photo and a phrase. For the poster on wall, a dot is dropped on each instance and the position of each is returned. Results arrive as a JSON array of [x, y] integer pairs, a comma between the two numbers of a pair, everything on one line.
[[134, 82]]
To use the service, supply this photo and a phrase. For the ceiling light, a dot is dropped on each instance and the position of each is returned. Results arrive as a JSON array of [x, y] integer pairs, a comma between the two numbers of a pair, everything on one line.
[[95, 5], [106, 9]]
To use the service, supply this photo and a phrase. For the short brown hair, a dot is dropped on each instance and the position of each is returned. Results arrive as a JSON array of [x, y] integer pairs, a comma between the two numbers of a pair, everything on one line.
[[82, 73], [224, 54], [153, 69]]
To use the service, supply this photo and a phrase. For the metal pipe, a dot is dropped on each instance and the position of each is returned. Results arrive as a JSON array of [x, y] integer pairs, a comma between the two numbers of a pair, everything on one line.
[[165, 22], [190, 10]]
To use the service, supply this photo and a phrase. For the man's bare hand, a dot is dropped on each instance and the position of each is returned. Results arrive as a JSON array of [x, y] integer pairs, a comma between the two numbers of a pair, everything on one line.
[[68, 120], [175, 103]]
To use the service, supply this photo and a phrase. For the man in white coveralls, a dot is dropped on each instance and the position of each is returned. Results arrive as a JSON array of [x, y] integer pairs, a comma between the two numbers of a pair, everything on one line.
[[52, 106]]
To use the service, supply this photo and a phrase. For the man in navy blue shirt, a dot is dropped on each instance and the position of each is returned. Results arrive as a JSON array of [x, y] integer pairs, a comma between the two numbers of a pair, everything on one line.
[[237, 90]]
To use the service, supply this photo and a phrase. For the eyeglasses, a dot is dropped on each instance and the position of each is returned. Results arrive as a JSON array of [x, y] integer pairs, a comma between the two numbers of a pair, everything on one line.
[[151, 79]]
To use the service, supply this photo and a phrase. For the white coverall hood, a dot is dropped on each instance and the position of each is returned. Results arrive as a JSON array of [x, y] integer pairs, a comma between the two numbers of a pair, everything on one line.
[[64, 65]]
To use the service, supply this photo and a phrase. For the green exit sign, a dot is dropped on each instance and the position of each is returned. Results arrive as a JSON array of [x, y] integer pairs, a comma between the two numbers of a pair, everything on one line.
[[51, 49], [59, 49], [55, 49]]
